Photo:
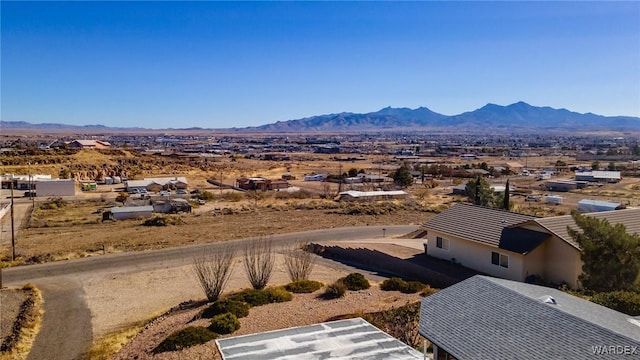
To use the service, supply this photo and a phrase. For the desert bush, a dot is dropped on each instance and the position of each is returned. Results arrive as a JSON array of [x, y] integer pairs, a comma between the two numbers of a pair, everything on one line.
[[393, 284], [232, 196], [401, 323], [238, 308], [397, 284], [258, 260], [413, 287], [355, 281], [627, 302], [278, 294], [303, 286], [189, 336], [213, 271], [252, 297], [53, 204], [298, 263], [335, 290], [161, 220], [224, 324], [428, 290], [205, 195]]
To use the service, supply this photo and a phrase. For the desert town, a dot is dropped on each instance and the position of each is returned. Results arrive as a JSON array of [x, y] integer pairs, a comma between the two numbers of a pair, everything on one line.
[[410, 201]]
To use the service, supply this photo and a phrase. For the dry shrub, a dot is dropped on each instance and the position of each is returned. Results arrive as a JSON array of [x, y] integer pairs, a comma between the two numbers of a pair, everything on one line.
[[298, 262], [213, 271], [258, 260]]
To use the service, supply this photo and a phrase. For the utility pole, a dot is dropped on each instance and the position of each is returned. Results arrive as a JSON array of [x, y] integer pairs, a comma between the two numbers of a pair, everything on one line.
[[13, 235]]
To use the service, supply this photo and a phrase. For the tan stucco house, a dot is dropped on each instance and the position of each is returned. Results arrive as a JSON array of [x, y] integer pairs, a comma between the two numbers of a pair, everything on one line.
[[514, 246]]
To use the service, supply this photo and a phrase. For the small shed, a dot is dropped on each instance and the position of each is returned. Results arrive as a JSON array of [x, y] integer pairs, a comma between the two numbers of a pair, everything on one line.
[[131, 212], [353, 195], [587, 205]]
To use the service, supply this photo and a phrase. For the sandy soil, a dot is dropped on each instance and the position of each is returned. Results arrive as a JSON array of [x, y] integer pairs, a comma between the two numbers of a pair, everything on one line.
[[10, 302], [304, 309], [124, 298]]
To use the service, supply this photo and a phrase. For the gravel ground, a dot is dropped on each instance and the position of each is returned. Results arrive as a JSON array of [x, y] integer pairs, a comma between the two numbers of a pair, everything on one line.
[[304, 309], [10, 302]]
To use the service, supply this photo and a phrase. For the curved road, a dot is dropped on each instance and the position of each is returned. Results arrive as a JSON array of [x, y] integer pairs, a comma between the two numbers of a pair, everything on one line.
[[66, 330]]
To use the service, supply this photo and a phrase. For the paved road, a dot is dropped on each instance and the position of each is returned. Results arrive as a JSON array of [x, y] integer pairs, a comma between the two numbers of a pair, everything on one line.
[[66, 330]]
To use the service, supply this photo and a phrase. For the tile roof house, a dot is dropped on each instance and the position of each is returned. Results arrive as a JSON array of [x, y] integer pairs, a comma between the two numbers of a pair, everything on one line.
[[89, 144], [514, 246], [490, 318]]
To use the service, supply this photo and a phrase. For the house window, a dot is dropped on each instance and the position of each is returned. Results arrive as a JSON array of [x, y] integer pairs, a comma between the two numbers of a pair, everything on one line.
[[442, 243], [500, 259]]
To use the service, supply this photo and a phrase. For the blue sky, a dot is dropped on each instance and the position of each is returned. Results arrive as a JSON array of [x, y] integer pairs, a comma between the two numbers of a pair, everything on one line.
[[236, 64]]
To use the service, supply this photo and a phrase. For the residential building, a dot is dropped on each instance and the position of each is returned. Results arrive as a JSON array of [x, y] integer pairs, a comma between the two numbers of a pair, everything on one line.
[[514, 246], [89, 144], [489, 318]]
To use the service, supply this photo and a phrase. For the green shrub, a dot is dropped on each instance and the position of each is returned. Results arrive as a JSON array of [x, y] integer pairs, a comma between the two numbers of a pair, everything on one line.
[[624, 301], [224, 323], [278, 294], [303, 286], [335, 290], [428, 290], [252, 297], [192, 335], [413, 287], [407, 287], [355, 281], [393, 284], [238, 308]]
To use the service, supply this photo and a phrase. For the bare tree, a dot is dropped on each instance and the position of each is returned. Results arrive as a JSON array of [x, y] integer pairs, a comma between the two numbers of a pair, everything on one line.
[[298, 262], [258, 259], [213, 270]]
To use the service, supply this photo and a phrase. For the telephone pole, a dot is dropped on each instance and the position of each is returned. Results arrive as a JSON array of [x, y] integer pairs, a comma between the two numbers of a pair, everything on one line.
[[13, 235]]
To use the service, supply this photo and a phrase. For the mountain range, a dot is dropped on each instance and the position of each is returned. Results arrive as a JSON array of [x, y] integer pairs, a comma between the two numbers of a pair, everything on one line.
[[491, 117]]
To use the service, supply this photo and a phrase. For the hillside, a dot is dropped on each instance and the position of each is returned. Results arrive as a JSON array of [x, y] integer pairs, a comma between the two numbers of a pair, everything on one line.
[[519, 116]]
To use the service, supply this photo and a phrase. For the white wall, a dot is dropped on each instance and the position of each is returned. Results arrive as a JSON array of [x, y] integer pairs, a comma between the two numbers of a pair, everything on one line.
[[58, 187], [476, 256]]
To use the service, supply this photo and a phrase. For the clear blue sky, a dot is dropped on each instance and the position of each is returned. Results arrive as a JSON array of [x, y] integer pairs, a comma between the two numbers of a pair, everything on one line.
[[226, 64]]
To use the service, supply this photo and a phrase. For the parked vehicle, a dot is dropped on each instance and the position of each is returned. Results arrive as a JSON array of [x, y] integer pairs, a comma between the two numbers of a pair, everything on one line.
[[181, 192], [553, 199], [165, 193], [535, 198]]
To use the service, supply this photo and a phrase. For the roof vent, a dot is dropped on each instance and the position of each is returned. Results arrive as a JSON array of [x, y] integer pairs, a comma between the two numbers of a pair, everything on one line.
[[548, 299]]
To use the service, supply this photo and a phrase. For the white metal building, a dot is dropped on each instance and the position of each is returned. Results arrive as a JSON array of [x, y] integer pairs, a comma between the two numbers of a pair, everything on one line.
[[55, 187], [131, 212]]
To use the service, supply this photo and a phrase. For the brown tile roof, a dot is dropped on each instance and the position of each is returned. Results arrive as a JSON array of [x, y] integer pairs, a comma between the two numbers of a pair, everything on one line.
[[630, 218], [480, 224]]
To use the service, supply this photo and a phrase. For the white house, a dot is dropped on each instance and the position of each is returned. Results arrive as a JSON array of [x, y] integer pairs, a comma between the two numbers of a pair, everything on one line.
[[514, 246]]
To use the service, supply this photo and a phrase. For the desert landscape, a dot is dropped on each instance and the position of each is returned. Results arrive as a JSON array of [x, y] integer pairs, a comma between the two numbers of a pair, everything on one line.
[[52, 230]]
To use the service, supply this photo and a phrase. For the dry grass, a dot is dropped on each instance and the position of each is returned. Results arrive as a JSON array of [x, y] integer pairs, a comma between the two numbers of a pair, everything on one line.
[[104, 347], [74, 239], [30, 321]]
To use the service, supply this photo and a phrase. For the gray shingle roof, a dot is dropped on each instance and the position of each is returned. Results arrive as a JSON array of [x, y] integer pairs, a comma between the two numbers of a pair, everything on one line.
[[489, 318], [481, 224], [630, 218]]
